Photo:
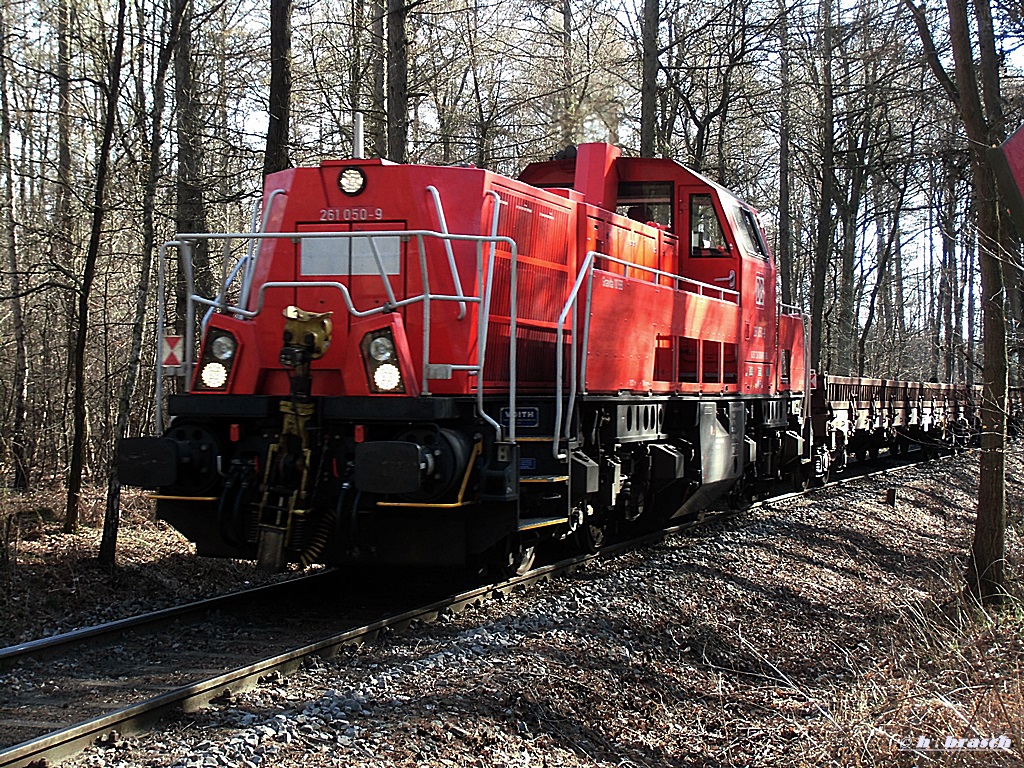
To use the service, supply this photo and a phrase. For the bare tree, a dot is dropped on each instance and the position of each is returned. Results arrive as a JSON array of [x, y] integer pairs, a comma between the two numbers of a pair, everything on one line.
[[111, 88], [276, 157], [19, 386], [398, 81], [980, 111], [152, 154]]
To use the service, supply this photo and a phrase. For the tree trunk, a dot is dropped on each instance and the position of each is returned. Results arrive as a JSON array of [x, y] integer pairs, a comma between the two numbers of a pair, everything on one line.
[[947, 280], [190, 215], [784, 257], [112, 513], [19, 385], [848, 300], [823, 242], [398, 82], [111, 87], [649, 86], [377, 128], [986, 575], [567, 118], [276, 157], [63, 246], [884, 248]]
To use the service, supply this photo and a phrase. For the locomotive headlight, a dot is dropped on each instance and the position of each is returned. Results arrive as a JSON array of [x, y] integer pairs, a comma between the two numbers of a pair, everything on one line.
[[352, 181], [223, 347], [221, 350], [383, 368], [382, 348], [387, 377], [214, 375]]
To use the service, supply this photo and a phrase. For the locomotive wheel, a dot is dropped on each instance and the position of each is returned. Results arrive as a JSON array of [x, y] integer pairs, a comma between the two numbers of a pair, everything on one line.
[[525, 558], [509, 559], [589, 537], [840, 459]]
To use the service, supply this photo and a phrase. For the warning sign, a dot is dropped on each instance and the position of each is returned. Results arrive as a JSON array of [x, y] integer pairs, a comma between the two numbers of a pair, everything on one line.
[[172, 351]]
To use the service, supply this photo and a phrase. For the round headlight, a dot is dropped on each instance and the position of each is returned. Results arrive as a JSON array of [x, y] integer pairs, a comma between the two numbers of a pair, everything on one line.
[[214, 375], [223, 347], [351, 181], [381, 349], [387, 377]]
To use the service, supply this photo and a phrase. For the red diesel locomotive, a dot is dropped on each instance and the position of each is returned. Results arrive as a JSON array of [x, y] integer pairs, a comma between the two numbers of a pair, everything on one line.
[[442, 365]]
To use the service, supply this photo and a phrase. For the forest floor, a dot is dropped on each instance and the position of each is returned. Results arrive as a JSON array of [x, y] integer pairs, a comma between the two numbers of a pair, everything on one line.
[[824, 630], [52, 582]]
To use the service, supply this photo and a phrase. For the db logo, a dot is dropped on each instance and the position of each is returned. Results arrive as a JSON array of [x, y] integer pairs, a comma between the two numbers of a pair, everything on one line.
[[759, 290]]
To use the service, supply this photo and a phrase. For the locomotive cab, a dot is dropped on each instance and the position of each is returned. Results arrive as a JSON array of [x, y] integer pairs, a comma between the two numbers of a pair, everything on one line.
[[721, 246]]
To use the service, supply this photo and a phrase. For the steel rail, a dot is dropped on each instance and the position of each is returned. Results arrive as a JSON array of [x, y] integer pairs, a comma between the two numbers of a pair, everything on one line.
[[138, 717], [60, 642]]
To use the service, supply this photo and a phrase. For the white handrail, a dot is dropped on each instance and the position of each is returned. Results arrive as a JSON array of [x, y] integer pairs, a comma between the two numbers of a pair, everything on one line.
[[252, 256], [447, 245], [585, 269], [484, 322], [701, 287]]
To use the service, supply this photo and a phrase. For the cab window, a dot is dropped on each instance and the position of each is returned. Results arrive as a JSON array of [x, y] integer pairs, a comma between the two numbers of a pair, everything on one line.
[[646, 202], [749, 234], [706, 235]]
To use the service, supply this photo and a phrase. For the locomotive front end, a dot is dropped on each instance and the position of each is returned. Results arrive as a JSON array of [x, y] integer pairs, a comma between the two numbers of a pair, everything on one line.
[[335, 409]]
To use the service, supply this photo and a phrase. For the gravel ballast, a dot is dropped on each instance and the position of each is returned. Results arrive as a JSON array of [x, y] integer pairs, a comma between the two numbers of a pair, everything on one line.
[[822, 630]]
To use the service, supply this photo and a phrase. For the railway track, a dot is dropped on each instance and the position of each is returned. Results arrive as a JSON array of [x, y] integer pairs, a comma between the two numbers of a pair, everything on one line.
[[122, 677]]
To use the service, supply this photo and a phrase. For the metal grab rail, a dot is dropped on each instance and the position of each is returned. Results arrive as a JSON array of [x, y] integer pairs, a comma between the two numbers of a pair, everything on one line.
[[247, 262], [443, 223], [726, 294], [586, 271], [187, 241], [484, 320]]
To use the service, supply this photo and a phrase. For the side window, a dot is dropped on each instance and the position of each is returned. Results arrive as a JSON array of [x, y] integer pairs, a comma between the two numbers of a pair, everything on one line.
[[706, 237], [749, 234]]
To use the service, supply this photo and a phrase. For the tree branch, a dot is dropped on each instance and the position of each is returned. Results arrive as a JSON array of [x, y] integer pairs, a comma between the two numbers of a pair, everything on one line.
[[931, 54]]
